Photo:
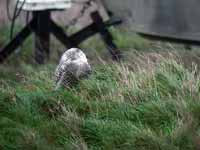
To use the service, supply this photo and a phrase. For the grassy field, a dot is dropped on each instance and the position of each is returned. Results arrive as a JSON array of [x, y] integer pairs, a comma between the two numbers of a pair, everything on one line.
[[148, 101]]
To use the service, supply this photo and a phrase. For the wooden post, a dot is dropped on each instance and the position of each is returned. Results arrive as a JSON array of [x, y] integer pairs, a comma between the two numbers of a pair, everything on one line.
[[42, 35]]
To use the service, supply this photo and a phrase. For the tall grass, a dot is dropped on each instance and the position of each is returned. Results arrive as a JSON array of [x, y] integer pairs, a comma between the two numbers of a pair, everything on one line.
[[151, 107], [148, 101]]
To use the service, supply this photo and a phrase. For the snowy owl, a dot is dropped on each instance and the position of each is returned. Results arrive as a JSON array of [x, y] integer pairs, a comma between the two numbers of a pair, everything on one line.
[[72, 67]]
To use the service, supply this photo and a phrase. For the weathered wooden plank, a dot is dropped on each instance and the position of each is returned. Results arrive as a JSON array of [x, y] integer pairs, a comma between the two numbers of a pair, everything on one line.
[[37, 5]]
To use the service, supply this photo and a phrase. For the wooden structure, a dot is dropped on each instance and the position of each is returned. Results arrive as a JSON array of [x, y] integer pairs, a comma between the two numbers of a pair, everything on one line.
[[42, 25], [168, 20]]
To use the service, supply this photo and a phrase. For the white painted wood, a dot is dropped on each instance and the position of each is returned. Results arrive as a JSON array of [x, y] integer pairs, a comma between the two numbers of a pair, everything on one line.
[[36, 5]]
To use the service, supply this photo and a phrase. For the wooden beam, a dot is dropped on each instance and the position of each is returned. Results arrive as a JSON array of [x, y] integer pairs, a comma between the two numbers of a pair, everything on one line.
[[17, 41], [90, 30], [60, 34], [105, 35]]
